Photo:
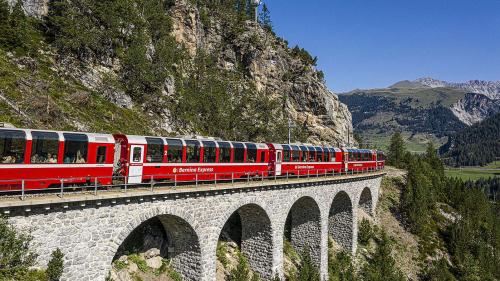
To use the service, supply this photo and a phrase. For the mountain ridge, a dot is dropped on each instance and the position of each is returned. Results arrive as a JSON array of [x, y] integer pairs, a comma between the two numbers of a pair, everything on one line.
[[426, 109]]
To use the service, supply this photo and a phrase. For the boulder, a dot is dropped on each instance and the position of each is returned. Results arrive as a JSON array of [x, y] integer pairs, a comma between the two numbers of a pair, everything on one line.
[[155, 262]]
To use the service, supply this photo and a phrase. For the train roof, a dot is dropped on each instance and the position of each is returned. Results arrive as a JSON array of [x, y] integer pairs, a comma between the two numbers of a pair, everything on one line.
[[92, 137]]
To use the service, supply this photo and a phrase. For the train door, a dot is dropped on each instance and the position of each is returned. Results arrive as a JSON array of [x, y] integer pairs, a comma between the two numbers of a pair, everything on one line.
[[136, 164], [277, 164]]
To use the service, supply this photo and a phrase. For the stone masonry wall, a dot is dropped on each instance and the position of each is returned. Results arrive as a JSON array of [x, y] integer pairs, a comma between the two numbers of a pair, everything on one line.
[[89, 234], [306, 228]]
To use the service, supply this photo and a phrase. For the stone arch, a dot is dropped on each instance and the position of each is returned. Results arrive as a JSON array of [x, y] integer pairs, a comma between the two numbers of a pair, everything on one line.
[[255, 238], [365, 201], [341, 221], [303, 227], [182, 244]]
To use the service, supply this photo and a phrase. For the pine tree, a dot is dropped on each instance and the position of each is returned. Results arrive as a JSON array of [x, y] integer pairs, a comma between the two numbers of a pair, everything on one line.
[[382, 266], [396, 153], [55, 266], [5, 30], [265, 18]]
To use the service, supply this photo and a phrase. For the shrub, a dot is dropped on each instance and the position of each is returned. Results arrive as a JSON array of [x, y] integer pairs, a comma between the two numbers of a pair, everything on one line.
[[15, 255], [141, 263], [307, 271], [55, 266], [242, 271], [365, 232]]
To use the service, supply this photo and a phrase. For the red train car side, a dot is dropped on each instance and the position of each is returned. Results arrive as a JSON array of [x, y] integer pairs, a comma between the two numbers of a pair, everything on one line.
[[298, 159], [156, 158], [43, 158]]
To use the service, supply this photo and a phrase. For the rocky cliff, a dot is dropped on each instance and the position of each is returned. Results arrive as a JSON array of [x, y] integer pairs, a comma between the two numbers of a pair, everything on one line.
[[252, 55]]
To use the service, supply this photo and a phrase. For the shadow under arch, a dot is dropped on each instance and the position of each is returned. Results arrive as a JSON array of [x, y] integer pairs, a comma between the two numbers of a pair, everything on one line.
[[340, 221], [250, 227], [173, 236], [366, 201], [303, 228]]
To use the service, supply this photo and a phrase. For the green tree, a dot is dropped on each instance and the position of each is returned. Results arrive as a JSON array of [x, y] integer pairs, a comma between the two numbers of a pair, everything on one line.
[[5, 30], [242, 271], [396, 153], [340, 267], [55, 266], [15, 255], [307, 271], [439, 271], [416, 198], [265, 18], [365, 232], [382, 267]]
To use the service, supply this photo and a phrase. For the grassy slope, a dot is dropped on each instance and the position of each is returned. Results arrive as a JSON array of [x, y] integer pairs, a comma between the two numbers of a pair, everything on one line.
[[58, 102], [475, 173], [417, 97]]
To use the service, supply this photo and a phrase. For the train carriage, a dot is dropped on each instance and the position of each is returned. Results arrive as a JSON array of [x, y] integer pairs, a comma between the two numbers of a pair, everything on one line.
[[294, 159], [360, 159], [152, 158], [43, 158]]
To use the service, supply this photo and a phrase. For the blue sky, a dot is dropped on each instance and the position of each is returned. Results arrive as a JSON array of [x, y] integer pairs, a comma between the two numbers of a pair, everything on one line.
[[375, 43]]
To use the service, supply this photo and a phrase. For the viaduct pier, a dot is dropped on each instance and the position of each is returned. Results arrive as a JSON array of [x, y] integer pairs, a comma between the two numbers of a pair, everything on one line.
[[90, 228]]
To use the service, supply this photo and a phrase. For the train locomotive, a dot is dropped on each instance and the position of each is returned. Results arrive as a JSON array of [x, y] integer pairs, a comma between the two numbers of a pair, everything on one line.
[[39, 159]]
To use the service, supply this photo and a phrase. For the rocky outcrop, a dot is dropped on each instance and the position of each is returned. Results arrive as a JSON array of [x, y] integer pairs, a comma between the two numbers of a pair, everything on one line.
[[474, 108], [270, 65], [34, 8]]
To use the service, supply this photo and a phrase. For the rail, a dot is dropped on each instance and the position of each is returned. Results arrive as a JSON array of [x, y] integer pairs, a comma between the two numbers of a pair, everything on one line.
[[157, 181]]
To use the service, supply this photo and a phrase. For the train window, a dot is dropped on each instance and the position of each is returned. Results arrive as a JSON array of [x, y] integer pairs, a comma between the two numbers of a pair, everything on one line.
[[380, 156], [155, 150], [251, 153], [209, 152], [312, 155], [12, 145], [319, 153], [286, 153], [239, 152], [44, 147], [332, 155], [262, 157], [75, 148], [174, 151], [295, 154], [101, 155], [304, 154], [224, 152], [136, 154], [192, 151]]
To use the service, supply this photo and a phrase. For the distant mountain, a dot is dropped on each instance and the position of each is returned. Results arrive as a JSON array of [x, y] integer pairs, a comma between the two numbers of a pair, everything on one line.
[[491, 89], [426, 108], [475, 145]]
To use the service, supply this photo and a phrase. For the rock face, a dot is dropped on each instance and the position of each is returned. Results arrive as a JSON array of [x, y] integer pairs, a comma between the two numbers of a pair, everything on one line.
[[270, 65], [474, 108], [34, 8], [481, 102]]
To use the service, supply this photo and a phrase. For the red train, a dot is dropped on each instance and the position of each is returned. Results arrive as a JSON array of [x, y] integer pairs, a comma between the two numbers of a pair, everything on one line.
[[37, 159]]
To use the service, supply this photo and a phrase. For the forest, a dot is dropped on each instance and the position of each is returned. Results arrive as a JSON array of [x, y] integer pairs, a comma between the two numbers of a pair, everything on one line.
[[471, 240], [477, 145]]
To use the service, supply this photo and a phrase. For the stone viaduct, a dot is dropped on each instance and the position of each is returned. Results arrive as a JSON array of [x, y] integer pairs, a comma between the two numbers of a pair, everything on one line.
[[89, 229]]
